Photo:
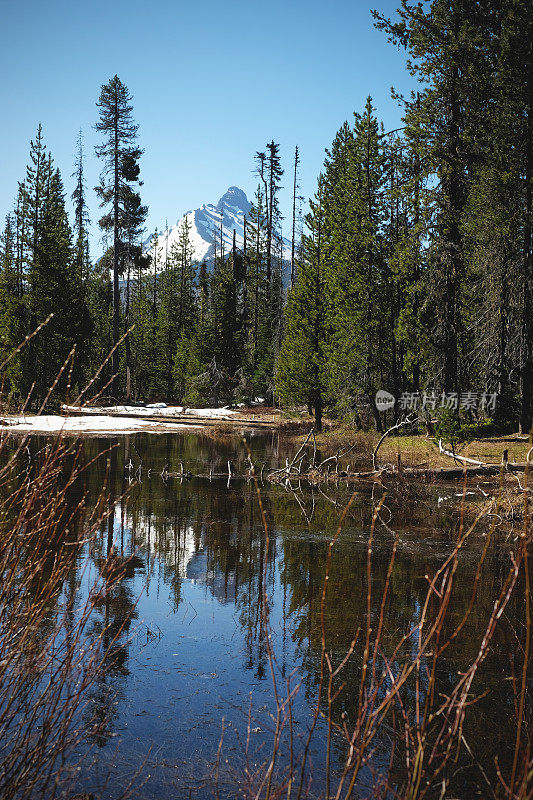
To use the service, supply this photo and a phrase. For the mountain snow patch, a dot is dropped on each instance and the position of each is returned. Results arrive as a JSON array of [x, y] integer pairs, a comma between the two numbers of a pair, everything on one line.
[[205, 225]]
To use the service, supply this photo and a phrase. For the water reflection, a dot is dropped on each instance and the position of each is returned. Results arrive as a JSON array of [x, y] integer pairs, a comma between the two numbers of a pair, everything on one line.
[[184, 631]]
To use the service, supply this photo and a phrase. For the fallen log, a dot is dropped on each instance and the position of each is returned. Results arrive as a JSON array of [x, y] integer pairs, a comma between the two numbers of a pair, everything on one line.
[[464, 459], [458, 472], [444, 473]]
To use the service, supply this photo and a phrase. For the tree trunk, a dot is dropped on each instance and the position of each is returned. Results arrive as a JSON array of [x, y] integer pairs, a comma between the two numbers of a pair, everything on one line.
[[452, 239], [296, 160], [416, 220], [318, 411], [244, 280], [376, 414], [234, 255], [116, 244], [526, 372], [127, 342]]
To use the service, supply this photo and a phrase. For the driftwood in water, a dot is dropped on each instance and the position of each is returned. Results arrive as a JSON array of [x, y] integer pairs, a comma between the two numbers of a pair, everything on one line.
[[317, 472], [444, 473], [316, 476]]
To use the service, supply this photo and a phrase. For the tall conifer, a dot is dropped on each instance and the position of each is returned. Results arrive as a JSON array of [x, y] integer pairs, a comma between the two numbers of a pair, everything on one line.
[[119, 174]]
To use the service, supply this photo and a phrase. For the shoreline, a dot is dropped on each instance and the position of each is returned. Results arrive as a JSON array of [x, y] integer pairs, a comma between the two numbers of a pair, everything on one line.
[[154, 418], [101, 424]]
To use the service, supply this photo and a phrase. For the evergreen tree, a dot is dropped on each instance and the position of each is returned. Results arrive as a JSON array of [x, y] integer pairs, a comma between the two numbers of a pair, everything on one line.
[[21, 221], [354, 211], [155, 252], [38, 173], [194, 348], [295, 199], [473, 115], [408, 229], [177, 308], [443, 42], [515, 80], [20, 318], [12, 317], [257, 335], [55, 289], [302, 371], [120, 171], [226, 330], [143, 335], [100, 305], [81, 215], [274, 174]]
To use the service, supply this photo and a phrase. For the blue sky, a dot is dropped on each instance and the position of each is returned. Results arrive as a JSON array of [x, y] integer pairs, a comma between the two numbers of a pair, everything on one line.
[[212, 82]]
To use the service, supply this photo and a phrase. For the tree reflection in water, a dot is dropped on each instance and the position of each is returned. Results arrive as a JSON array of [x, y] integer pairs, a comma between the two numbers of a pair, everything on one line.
[[185, 628]]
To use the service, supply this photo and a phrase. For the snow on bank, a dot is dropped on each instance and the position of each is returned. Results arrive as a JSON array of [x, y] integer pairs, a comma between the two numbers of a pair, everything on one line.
[[157, 409], [52, 423], [210, 413], [115, 419]]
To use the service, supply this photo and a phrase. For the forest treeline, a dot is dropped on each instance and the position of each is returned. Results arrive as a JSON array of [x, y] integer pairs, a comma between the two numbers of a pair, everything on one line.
[[413, 273]]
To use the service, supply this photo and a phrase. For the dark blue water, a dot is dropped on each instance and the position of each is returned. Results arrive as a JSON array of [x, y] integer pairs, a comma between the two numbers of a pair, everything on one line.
[[191, 661]]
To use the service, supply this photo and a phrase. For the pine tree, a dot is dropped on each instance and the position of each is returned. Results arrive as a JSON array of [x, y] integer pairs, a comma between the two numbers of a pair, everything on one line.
[[226, 331], [100, 305], [121, 169], [155, 254], [443, 43], [405, 272], [21, 221], [177, 308], [473, 115], [354, 211], [302, 370], [81, 215], [523, 66], [12, 311], [409, 230], [257, 336], [29, 210], [55, 289], [274, 173], [38, 175], [142, 337], [295, 198], [194, 351], [7, 246]]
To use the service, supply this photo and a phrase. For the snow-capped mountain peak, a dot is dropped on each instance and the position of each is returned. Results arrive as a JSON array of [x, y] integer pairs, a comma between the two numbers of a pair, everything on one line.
[[206, 224]]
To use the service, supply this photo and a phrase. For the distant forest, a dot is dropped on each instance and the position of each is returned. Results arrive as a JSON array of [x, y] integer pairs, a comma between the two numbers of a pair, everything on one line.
[[412, 271]]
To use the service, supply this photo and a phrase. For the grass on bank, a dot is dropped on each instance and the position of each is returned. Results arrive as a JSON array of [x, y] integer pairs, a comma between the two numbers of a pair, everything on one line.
[[415, 450]]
